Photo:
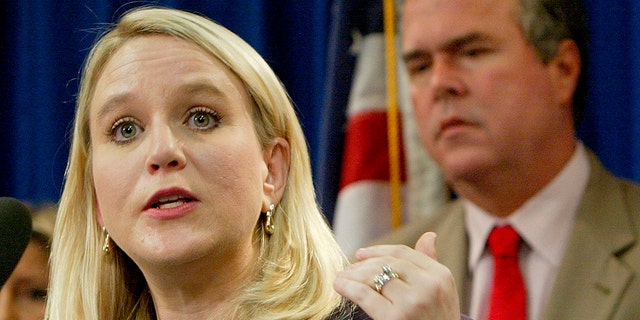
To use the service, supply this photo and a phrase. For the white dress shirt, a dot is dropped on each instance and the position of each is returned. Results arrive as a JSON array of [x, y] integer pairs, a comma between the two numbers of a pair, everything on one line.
[[544, 222]]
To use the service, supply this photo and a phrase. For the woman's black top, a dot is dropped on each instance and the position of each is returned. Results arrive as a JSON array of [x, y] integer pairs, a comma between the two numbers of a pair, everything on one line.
[[349, 312], [353, 312]]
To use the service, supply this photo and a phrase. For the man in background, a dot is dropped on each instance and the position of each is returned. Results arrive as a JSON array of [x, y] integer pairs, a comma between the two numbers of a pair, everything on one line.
[[498, 88]]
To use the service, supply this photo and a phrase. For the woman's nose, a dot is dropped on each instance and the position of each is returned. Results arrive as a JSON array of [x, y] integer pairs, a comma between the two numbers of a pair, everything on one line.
[[166, 151]]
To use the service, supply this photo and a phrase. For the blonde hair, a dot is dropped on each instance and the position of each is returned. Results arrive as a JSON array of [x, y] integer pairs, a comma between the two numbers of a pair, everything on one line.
[[297, 264]]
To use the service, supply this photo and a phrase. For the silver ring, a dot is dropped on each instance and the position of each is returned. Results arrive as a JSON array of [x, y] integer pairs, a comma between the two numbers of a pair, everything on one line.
[[383, 277]]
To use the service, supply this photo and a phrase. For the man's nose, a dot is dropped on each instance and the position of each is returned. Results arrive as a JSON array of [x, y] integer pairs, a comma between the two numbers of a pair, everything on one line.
[[446, 79]]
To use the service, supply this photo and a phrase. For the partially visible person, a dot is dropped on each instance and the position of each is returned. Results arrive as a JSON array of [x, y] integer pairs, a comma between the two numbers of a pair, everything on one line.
[[23, 295], [188, 194], [498, 88]]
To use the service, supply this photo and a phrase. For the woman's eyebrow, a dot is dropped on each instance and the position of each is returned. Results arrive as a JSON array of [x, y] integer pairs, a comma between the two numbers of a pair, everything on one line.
[[112, 103]]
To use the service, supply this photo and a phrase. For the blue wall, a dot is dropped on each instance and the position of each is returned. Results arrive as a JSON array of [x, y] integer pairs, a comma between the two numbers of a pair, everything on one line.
[[43, 44]]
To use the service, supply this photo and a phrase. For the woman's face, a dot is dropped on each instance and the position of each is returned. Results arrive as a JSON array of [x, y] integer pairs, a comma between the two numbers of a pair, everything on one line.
[[23, 294], [179, 173]]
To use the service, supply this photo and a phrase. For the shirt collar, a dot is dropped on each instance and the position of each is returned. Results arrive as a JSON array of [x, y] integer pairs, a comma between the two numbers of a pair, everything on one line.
[[544, 221]]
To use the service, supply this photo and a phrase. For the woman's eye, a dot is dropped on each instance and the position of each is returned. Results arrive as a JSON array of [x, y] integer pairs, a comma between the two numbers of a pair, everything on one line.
[[32, 294], [38, 294], [124, 130], [202, 119]]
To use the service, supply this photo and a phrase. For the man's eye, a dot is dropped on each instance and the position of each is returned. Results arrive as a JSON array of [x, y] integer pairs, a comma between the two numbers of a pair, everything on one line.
[[416, 67], [474, 52]]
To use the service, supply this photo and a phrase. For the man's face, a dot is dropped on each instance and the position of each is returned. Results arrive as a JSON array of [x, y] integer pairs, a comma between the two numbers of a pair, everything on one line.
[[483, 100]]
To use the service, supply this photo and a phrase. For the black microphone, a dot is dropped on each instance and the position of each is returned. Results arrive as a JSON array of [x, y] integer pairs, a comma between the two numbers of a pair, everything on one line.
[[15, 232]]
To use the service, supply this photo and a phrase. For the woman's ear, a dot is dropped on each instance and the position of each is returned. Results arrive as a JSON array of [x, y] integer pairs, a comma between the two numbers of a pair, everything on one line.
[[278, 159]]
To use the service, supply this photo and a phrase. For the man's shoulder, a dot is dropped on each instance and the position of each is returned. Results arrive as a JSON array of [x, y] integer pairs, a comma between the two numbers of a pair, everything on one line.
[[441, 219], [622, 193], [630, 190]]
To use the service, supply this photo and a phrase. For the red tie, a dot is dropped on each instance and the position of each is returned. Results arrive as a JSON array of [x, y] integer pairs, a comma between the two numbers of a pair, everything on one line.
[[508, 295]]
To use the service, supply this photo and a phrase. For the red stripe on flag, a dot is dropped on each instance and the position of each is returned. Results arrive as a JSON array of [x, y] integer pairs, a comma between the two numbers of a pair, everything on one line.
[[366, 150]]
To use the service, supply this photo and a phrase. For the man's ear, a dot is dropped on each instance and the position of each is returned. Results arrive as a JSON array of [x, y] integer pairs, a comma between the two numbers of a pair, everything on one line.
[[278, 159], [565, 71]]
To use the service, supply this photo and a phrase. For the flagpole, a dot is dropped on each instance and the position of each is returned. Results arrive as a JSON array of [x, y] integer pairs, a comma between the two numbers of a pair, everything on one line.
[[392, 114]]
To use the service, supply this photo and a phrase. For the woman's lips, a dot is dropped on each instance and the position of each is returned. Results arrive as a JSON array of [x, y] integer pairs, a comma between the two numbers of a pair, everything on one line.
[[170, 203]]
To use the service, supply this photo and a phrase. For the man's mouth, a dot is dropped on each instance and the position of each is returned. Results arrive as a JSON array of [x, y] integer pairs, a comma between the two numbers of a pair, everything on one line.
[[452, 123]]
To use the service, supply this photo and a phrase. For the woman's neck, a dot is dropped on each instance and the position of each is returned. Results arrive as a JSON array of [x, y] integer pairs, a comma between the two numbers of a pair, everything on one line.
[[201, 289]]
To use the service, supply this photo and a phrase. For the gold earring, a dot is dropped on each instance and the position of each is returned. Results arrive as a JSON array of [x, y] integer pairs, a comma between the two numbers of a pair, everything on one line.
[[269, 227], [107, 238]]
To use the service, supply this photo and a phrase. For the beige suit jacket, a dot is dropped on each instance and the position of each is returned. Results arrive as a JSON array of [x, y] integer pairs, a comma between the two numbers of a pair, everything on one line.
[[599, 277]]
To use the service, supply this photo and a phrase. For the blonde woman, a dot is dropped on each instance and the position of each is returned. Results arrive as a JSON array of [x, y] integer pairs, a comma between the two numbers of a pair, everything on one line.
[[188, 193]]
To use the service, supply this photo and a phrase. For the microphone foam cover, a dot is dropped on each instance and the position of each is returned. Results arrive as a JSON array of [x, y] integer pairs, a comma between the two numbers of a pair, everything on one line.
[[15, 233]]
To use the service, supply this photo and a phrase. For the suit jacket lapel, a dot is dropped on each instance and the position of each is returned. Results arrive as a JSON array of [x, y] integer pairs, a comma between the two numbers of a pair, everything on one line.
[[591, 278], [453, 247]]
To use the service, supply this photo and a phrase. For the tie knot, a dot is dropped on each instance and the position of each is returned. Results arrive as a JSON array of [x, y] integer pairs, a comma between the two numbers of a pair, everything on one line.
[[504, 242]]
